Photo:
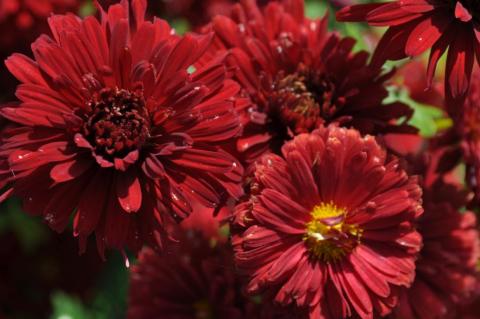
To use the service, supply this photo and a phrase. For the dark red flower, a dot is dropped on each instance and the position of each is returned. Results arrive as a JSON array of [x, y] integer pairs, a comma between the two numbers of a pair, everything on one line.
[[300, 76], [445, 274], [191, 280], [329, 226], [113, 127], [419, 25]]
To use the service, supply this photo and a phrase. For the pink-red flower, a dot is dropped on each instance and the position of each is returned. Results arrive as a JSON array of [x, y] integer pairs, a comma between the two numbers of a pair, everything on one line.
[[445, 271], [299, 76], [114, 127], [329, 226], [418, 25]]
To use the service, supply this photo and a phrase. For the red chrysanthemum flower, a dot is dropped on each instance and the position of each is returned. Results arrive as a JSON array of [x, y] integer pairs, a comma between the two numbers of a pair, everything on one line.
[[418, 25], [445, 270], [191, 280], [300, 76], [329, 226], [114, 128]]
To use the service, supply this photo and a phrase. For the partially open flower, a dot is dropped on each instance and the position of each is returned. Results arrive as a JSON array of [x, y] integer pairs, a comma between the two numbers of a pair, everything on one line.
[[113, 128], [329, 226]]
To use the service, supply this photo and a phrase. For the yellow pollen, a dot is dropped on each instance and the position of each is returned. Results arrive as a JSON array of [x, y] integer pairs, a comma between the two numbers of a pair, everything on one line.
[[327, 236]]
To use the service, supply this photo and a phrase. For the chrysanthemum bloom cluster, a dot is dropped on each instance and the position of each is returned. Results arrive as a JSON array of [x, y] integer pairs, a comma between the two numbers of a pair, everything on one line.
[[113, 128], [329, 226], [445, 271], [300, 76], [123, 129], [418, 25]]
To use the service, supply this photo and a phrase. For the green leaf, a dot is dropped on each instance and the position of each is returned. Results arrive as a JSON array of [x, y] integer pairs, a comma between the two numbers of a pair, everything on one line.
[[68, 307], [181, 26], [427, 118], [316, 9], [29, 230], [111, 299]]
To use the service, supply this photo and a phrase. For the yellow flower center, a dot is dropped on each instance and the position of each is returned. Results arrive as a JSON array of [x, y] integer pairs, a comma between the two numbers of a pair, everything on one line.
[[327, 236]]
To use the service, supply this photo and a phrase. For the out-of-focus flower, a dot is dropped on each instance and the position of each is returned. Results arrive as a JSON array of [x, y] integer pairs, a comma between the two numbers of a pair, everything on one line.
[[190, 280], [112, 127], [21, 21], [300, 76], [445, 271], [208, 222], [462, 141], [471, 308], [412, 77], [329, 226], [419, 25], [26, 19]]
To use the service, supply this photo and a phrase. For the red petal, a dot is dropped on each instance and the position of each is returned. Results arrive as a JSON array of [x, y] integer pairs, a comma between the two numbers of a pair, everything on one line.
[[69, 170], [391, 14], [460, 63], [129, 191], [425, 34], [357, 13], [461, 13]]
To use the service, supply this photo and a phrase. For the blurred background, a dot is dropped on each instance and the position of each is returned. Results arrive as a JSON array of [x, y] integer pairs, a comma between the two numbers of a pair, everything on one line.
[[41, 272]]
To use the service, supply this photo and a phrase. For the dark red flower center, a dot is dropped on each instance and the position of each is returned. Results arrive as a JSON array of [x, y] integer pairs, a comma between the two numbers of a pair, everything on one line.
[[118, 124], [302, 101], [327, 236]]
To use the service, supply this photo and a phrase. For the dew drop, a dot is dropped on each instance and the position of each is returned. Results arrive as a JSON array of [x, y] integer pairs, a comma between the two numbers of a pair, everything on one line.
[[125, 258]]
